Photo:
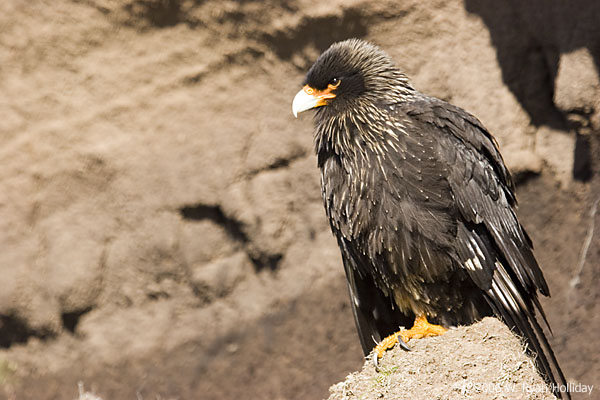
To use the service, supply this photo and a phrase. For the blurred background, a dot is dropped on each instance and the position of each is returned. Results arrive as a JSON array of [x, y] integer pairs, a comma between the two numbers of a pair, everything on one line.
[[161, 229]]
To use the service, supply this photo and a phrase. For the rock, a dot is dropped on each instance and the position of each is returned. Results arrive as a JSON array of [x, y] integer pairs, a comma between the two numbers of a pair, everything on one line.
[[482, 361], [557, 148], [577, 82], [218, 278]]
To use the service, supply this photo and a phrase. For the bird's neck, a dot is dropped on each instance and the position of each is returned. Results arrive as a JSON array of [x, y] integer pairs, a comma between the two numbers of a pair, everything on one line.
[[351, 134]]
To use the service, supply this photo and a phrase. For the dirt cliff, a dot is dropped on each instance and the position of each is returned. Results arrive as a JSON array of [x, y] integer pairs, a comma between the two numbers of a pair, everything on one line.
[[161, 228]]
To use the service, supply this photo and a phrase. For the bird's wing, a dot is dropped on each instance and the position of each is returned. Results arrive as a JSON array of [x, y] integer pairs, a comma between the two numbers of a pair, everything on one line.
[[492, 245], [482, 188], [375, 313]]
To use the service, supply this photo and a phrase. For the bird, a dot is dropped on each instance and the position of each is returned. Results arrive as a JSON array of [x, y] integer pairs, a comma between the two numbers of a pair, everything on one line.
[[422, 206]]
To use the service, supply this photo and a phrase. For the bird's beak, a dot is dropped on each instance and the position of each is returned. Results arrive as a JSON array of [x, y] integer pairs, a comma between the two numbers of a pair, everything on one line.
[[308, 98]]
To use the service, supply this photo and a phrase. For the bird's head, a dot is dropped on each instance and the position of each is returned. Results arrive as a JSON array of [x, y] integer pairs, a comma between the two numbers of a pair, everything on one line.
[[347, 74]]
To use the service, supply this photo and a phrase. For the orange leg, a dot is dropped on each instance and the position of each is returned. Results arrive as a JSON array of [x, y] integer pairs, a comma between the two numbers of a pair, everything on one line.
[[421, 329]]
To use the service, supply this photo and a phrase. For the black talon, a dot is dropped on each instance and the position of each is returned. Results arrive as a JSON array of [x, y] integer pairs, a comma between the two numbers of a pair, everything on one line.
[[404, 345]]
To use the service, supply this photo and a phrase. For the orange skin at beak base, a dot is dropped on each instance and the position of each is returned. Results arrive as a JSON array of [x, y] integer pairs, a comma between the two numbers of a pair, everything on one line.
[[309, 97], [322, 95]]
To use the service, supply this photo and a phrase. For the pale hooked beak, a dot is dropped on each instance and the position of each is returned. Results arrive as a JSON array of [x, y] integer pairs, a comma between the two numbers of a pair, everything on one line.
[[308, 98]]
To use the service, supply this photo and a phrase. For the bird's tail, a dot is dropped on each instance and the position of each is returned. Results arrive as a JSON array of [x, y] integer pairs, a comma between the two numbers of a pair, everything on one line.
[[507, 302]]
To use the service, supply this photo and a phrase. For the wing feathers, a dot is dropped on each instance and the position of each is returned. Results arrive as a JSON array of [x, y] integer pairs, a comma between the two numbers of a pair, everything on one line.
[[374, 313], [495, 250], [506, 298]]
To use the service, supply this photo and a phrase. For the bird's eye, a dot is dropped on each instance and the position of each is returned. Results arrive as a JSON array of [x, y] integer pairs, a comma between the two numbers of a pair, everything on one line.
[[334, 83]]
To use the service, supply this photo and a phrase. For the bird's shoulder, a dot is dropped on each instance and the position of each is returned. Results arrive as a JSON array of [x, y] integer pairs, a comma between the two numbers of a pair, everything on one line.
[[480, 184], [458, 132]]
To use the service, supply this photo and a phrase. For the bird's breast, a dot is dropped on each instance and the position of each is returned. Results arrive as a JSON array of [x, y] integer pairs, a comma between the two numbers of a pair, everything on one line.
[[382, 188], [353, 188]]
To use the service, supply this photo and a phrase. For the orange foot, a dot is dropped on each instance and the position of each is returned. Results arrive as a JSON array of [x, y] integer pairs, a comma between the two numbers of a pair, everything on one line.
[[421, 329]]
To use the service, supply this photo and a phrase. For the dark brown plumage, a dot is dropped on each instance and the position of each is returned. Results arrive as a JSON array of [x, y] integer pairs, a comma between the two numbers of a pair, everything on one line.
[[421, 204]]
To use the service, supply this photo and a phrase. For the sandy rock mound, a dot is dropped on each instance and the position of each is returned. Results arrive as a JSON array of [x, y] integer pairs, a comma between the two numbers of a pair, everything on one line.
[[482, 361]]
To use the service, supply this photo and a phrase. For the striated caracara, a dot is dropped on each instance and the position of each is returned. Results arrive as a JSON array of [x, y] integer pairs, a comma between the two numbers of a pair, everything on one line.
[[422, 206]]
